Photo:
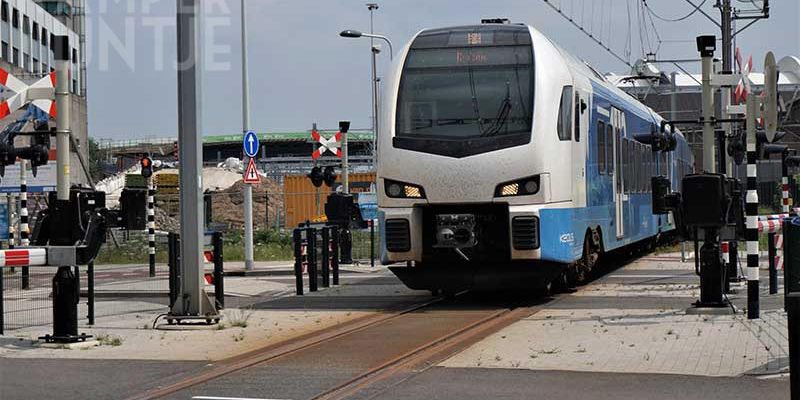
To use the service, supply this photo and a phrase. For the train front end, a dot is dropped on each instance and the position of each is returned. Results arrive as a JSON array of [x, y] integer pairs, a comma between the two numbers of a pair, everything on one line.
[[462, 170]]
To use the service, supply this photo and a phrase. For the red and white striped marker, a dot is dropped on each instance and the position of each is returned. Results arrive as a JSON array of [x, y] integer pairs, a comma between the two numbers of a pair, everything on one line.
[[333, 144], [23, 257], [41, 93], [779, 251]]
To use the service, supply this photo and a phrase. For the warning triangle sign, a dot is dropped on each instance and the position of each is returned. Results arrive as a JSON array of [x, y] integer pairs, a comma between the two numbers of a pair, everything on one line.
[[251, 173]]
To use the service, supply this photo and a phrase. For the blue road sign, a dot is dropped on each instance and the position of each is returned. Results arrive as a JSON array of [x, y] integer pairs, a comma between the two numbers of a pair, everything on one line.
[[250, 143]]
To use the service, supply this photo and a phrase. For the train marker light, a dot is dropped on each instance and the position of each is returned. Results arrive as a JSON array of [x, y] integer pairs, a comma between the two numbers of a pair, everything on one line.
[[399, 190]]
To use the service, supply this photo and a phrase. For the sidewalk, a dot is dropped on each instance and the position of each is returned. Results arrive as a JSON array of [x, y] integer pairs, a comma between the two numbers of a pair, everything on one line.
[[634, 320]]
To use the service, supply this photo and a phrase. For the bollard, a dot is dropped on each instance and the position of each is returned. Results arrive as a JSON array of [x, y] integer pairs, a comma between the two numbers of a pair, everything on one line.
[[773, 271], [219, 271], [335, 255], [733, 265], [372, 243], [326, 256], [793, 322], [297, 241], [311, 259], [2, 310], [90, 292], [173, 245]]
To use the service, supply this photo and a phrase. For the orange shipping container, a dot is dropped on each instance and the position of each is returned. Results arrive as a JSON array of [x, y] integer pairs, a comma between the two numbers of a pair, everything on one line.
[[304, 202]]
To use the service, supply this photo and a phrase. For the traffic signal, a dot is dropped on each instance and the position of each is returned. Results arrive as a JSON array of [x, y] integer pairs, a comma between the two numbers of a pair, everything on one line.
[[316, 176], [147, 167], [329, 176]]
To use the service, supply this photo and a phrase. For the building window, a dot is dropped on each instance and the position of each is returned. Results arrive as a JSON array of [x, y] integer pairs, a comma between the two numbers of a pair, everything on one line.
[[45, 36], [4, 12], [15, 57], [52, 42], [5, 51], [15, 18], [26, 61], [26, 24], [36, 31], [74, 56], [36, 66]]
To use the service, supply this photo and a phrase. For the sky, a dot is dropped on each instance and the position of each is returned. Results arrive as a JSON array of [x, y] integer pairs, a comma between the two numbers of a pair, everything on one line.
[[302, 72]]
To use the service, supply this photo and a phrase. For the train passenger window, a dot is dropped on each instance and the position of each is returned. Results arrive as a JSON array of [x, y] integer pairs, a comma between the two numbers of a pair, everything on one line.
[[577, 117], [626, 171], [601, 147], [610, 149], [564, 118], [637, 170], [618, 162]]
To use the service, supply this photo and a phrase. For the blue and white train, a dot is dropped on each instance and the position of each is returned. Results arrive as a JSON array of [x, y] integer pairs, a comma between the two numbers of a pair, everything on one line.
[[504, 161]]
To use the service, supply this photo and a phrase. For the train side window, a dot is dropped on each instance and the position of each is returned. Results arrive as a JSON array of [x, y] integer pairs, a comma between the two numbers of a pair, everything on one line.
[[638, 168], [626, 171], [601, 147], [610, 149], [577, 117], [618, 162], [564, 126]]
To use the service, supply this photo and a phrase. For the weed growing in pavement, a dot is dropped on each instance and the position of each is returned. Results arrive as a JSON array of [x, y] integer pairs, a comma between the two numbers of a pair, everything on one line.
[[239, 337], [238, 317], [554, 350], [109, 340], [221, 326]]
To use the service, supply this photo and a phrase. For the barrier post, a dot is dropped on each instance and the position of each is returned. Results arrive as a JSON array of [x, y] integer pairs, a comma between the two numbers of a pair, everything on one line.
[[326, 256], [335, 254], [2, 309], [372, 243], [773, 271], [219, 271], [151, 227], [297, 240], [90, 292], [174, 266], [312, 259]]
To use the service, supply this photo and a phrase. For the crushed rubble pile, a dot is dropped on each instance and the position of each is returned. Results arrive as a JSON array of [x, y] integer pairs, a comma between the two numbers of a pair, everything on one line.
[[227, 205]]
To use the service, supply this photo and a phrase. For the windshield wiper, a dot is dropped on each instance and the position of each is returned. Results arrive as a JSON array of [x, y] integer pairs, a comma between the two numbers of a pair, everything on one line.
[[501, 119]]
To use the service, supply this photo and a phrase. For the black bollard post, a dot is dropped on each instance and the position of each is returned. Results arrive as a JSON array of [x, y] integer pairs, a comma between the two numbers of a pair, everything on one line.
[[346, 244], [335, 254], [773, 271], [90, 292], [26, 278], [2, 310], [733, 263], [219, 270], [793, 322], [372, 243], [297, 241], [326, 256], [312, 260]]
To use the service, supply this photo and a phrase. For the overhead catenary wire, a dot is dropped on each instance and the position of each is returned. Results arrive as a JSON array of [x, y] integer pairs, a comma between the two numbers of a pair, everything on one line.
[[588, 33], [695, 10]]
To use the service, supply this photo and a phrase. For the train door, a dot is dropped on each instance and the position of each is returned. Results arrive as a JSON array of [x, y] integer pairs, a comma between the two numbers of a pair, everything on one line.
[[579, 146], [618, 121]]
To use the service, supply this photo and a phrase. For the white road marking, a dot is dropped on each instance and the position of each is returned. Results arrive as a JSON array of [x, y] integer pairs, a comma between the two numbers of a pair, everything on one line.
[[227, 398], [650, 276]]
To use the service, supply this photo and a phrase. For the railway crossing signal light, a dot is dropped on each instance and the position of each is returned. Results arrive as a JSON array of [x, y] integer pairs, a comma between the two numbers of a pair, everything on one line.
[[316, 176], [147, 167], [329, 176]]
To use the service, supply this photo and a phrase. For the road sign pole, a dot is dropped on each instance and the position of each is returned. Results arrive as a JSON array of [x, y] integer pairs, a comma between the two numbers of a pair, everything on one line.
[[248, 189]]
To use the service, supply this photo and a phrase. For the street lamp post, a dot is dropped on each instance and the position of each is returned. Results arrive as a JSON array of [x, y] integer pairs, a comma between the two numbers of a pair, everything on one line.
[[372, 7], [375, 51]]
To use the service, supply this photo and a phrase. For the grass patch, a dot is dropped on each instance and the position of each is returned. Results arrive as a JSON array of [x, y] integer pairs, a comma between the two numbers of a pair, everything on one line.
[[238, 317], [109, 340]]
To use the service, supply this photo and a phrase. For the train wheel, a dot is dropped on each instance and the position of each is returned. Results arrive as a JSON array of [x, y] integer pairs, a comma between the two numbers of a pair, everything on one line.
[[588, 260]]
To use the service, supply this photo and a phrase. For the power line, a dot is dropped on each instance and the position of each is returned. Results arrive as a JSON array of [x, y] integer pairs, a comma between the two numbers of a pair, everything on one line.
[[650, 10], [590, 35]]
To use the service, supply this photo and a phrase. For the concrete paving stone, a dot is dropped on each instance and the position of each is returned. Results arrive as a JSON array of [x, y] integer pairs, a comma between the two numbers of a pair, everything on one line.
[[609, 326]]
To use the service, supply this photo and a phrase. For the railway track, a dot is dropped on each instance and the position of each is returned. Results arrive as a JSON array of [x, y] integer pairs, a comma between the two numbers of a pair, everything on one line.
[[366, 354]]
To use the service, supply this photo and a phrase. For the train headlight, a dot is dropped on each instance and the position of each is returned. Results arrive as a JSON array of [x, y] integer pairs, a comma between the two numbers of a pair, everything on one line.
[[522, 187], [400, 190]]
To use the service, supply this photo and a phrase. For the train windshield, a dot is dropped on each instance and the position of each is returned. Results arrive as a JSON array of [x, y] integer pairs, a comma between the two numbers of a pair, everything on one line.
[[466, 91]]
